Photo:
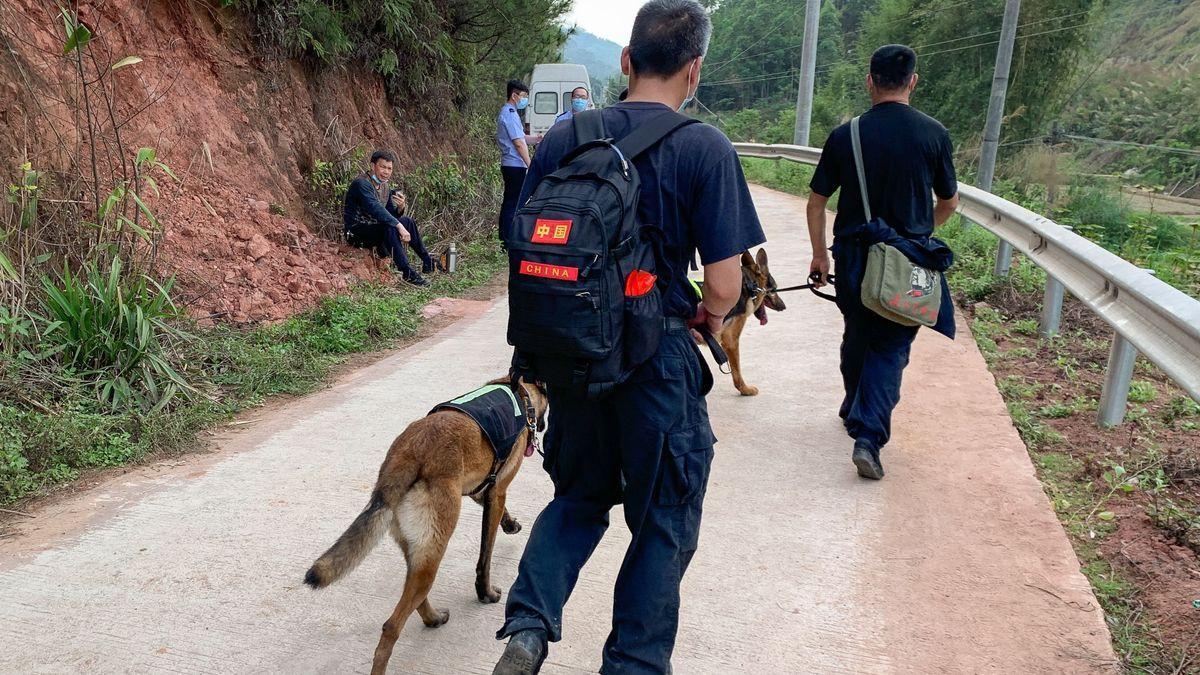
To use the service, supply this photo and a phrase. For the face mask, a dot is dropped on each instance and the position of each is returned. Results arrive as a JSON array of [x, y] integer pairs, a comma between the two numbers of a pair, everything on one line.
[[578, 104], [523, 103], [688, 99]]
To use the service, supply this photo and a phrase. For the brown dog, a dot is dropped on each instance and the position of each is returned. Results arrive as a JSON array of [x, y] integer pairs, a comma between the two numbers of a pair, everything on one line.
[[430, 466], [758, 295]]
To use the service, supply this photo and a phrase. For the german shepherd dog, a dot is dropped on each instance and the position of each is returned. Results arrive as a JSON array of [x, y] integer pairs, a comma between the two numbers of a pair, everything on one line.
[[429, 467], [758, 295]]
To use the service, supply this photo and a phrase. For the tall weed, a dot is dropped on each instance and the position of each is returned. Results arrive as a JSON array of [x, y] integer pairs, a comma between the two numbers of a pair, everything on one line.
[[111, 327]]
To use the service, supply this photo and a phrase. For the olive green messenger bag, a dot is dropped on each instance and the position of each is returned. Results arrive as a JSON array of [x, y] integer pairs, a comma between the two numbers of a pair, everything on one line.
[[893, 287]]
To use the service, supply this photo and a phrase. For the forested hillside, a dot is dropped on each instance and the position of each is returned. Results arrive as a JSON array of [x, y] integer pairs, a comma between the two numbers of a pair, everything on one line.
[[601, 57], [1142, 86], [756, 65]]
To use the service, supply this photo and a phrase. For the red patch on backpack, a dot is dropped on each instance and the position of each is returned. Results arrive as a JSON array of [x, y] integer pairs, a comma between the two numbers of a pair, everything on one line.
[[545, 271], [546, 231]]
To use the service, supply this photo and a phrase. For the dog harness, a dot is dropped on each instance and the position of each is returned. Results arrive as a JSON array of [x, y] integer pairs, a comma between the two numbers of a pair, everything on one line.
[[498, 413]]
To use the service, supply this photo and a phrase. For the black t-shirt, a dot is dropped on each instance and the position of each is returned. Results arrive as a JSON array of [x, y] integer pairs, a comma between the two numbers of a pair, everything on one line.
[[692, 187], [906, 154]]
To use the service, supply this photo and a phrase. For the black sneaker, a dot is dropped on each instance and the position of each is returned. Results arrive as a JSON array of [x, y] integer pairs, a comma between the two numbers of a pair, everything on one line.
[[415, 279], [524, 654], [866, 458]]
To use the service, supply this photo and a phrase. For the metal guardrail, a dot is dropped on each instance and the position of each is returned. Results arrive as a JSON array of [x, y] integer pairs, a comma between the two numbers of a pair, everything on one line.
[[1147, 315]]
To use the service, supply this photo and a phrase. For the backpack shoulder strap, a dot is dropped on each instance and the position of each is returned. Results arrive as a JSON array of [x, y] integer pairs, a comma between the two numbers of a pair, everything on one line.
[[589, 126], [648, 134], [856, 144]]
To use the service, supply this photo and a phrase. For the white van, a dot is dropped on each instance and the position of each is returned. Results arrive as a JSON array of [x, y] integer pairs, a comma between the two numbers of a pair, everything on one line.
[[550, 93]]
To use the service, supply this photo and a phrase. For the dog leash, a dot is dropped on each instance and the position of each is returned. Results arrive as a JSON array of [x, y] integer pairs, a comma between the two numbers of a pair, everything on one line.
[[678, 323], [813, 279]]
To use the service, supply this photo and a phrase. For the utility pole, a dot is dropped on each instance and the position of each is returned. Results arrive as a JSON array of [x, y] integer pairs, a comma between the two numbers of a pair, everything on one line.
[[808, 70], [991, 132]]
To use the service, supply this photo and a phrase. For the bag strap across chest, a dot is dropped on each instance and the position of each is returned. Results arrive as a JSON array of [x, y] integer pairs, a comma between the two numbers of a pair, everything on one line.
[[859, 167]]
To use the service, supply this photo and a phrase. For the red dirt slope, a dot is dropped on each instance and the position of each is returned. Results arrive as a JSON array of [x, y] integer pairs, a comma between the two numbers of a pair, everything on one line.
[[204, 90]]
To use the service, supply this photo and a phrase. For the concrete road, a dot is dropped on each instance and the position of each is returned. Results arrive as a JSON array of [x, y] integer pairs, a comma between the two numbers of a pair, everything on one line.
[[953, 563]]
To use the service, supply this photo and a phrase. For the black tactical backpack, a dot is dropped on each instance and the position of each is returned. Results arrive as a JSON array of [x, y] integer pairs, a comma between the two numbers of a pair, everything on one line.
[[584, 293]]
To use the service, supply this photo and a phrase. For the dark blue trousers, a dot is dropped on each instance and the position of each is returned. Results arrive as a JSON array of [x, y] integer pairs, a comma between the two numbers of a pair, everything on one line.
[[874, 354], [648, 446], [514, 178], [386, 241]]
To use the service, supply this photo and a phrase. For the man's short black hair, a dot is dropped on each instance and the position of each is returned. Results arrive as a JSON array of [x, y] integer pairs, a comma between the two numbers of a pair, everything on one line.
[[516, 85], [892, 66], [667, 34], [385, 155], [585, 90]]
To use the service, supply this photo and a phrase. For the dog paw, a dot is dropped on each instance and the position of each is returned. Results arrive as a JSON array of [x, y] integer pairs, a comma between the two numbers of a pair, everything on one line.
[[488, 596], [511, 526], [443, 615], [748, 390]]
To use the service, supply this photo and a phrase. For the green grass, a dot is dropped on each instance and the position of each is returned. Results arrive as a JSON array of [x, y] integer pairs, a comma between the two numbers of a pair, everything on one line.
[[47, 440]]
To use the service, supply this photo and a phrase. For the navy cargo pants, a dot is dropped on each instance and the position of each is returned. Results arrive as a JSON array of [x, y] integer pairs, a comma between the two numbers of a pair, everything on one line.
[[649, 446], [874, 354], [386, 241]]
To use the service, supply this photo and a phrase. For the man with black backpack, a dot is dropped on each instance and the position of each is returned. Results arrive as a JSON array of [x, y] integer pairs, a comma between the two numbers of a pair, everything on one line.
[[616, 204], [889, 163]]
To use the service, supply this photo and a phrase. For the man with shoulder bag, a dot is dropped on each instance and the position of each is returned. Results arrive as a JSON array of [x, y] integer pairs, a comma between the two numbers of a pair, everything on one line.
[[890, 164]]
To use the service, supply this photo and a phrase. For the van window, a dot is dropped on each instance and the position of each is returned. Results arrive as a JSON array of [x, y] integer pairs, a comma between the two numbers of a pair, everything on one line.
[[567, 100], [545, 103]]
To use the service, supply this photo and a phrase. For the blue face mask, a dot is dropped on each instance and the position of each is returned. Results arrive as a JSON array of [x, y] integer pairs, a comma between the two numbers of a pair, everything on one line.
[[523, 103], [578, 104], [688, 99]]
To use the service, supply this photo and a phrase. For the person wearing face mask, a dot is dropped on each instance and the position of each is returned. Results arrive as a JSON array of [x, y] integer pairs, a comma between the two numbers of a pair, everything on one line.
[[514, 150], [579, 103], [373, 218], [648, 444]]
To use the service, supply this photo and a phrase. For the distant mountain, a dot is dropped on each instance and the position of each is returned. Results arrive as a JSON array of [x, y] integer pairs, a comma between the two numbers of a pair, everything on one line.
[[601, 57]]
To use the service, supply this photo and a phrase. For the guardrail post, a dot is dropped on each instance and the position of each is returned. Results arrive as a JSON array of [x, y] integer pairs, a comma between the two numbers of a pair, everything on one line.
[[1052, 303], [1116, 381], [1004, 255]]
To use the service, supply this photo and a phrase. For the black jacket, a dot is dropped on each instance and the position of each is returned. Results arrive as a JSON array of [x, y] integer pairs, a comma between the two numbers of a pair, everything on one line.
[[363, 208], [850, 258]]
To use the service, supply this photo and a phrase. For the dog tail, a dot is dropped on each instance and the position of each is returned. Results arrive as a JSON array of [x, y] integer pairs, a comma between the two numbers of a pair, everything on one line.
[[354, 544]]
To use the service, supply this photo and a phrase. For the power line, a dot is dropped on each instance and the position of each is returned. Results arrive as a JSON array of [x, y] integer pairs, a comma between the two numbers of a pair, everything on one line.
[[912, 17], [1147, 146], [714, 114], [933, 44], [830, 66], [1019, 37], [718, 66]]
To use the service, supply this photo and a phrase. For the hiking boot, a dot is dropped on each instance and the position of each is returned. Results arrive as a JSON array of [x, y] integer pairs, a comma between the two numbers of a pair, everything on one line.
[[524, 654], [866, 459], [414, 278]]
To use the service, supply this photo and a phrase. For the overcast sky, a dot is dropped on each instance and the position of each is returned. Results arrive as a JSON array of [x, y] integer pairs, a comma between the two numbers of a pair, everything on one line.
[[610, 19]]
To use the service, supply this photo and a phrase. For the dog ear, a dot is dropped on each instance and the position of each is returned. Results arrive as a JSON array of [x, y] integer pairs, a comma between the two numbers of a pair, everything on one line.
[[747, 259], [762, 257]]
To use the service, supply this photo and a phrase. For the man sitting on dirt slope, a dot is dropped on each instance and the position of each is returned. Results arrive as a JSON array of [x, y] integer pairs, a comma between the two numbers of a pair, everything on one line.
[[374, 218]]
